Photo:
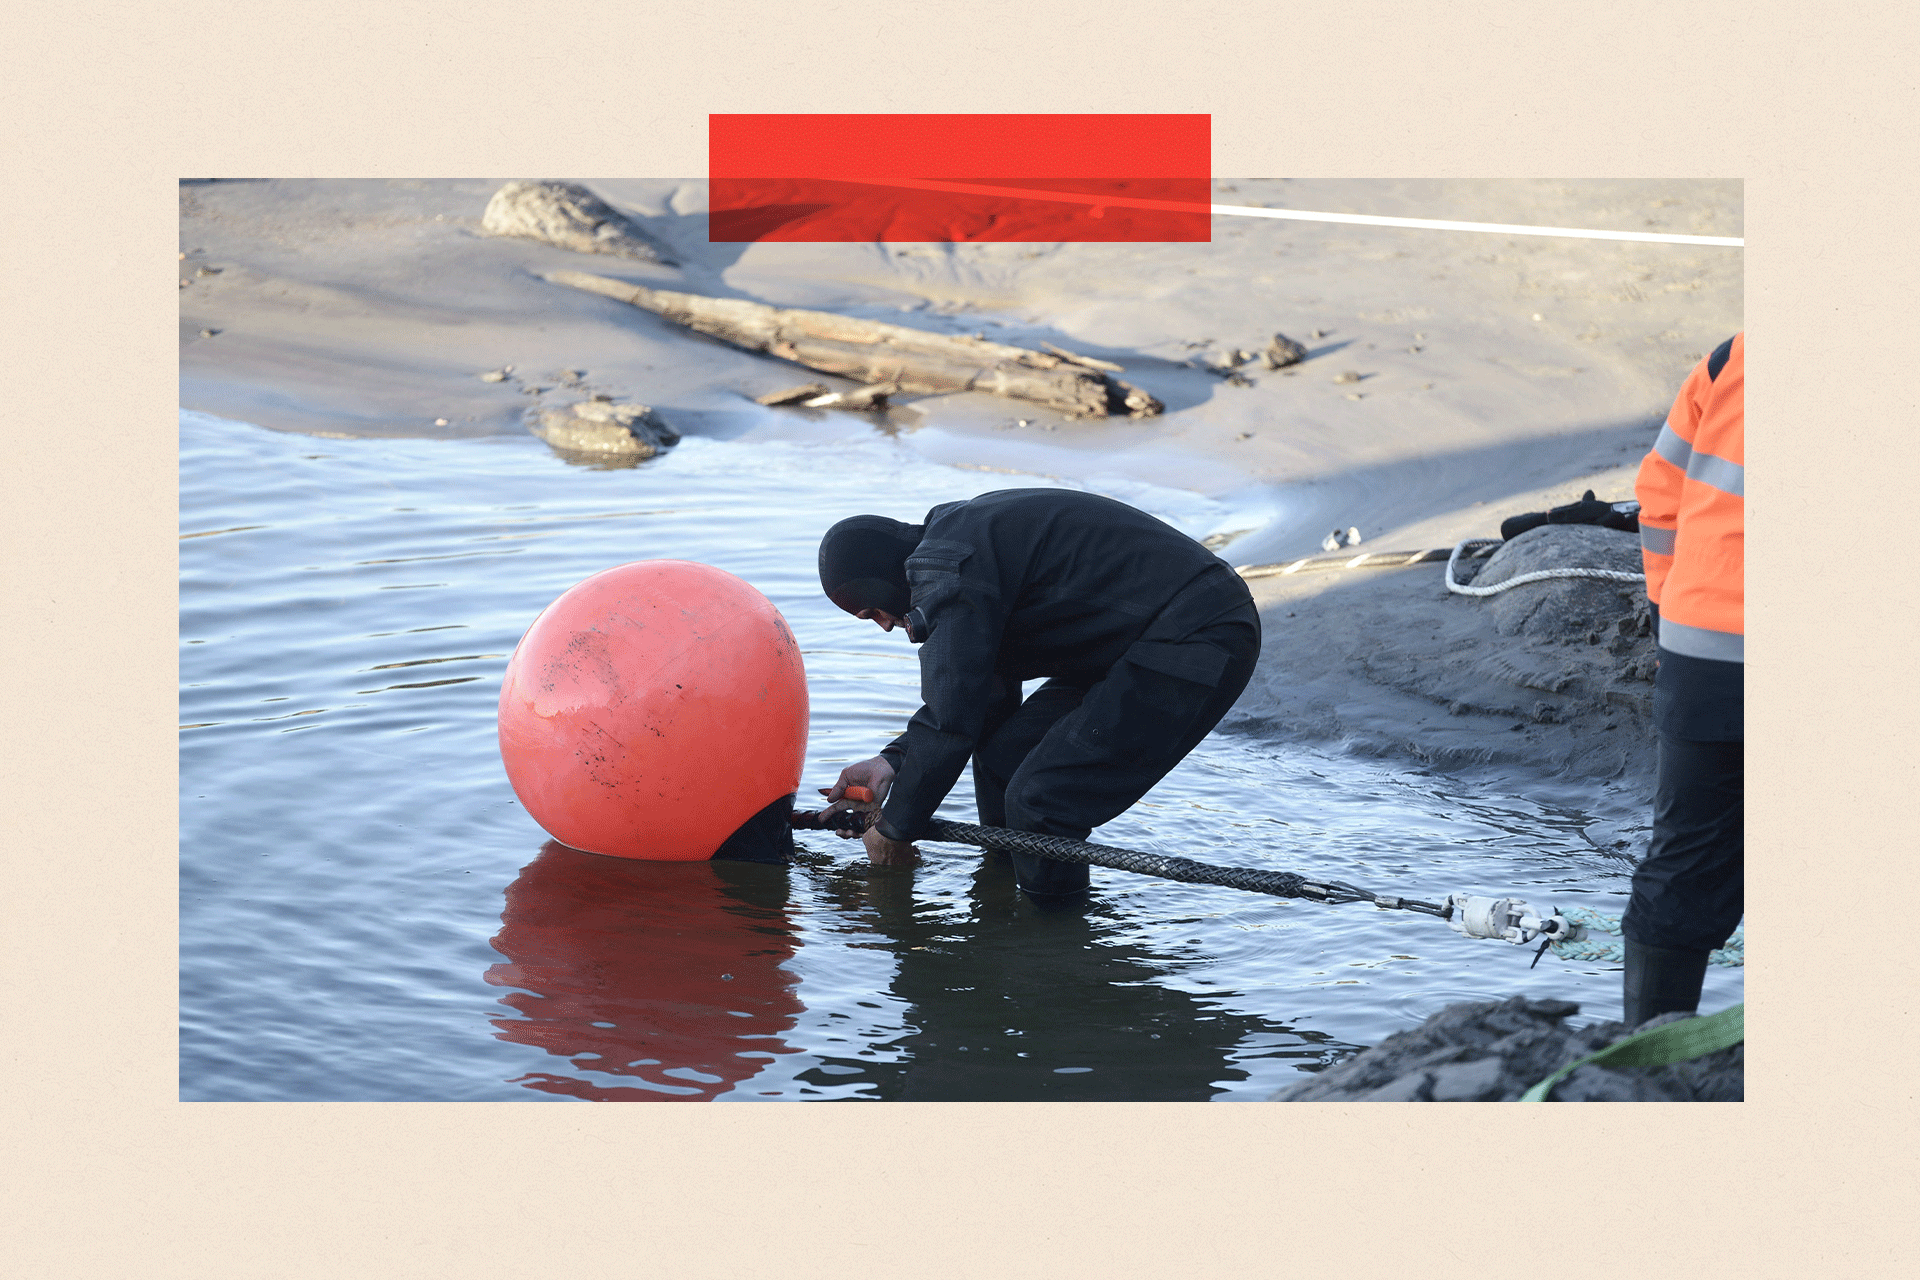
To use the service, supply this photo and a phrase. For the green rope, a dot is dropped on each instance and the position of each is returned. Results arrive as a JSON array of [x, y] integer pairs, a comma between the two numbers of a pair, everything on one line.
[[1659, 1046], [1733, 954]]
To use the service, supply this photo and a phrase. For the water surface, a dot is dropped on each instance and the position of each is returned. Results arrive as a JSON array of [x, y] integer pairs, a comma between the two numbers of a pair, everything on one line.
[[366, 913]]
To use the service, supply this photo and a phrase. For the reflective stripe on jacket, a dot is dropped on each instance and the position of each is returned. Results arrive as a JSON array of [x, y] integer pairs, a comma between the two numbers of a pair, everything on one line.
[[1692, 489]]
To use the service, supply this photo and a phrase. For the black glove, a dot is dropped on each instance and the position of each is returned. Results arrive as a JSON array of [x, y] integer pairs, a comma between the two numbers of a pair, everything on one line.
[[1589, 510]]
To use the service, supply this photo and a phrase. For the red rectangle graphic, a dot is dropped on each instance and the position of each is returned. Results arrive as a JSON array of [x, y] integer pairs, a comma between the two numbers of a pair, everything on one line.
[[959, 178]]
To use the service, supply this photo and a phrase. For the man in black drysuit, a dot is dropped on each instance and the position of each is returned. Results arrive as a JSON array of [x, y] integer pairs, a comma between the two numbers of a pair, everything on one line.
[[1145, 638]]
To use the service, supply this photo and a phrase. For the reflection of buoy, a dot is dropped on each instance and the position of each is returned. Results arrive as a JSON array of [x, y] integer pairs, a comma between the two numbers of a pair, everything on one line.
[[653, 709], [661, 983]]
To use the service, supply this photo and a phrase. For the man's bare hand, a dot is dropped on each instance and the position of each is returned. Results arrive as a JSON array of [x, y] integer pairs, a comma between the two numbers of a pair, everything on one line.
[[882, 852], [876, 775]]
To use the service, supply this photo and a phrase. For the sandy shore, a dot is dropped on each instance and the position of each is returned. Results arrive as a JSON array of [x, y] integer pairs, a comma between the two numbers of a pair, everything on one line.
[[1496, 375]]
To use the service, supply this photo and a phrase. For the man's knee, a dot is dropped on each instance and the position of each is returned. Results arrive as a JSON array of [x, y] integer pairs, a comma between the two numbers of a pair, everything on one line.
[[1003, 751], [1033, 805]]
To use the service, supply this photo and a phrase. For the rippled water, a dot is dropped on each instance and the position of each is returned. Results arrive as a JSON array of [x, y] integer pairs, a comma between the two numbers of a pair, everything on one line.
[[366, 913]]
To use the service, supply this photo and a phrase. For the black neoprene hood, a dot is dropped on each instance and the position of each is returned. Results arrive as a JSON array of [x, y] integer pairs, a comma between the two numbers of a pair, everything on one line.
[[863, 563]]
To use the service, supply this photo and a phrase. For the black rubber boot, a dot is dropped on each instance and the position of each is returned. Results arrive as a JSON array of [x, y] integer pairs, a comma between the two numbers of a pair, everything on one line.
[[1659, 980]]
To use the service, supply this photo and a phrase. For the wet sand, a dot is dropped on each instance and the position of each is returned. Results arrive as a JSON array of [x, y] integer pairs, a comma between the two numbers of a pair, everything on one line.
[[1495, 375]]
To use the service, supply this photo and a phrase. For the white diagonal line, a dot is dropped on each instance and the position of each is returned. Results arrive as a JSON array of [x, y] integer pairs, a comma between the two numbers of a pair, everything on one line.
[[1498, 228]]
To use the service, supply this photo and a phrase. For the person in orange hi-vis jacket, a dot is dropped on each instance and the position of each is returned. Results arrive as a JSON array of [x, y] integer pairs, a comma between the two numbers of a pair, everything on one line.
[[1688, 895]]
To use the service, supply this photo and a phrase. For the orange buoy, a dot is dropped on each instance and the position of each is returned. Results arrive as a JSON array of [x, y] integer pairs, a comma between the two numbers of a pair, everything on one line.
[[652, 709]]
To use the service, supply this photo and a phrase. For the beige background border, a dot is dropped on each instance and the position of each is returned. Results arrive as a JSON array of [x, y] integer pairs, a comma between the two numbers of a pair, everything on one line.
[[107, 106]]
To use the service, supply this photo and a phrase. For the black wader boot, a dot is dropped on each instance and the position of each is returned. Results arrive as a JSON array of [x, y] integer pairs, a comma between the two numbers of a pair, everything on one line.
[[1660, 980]]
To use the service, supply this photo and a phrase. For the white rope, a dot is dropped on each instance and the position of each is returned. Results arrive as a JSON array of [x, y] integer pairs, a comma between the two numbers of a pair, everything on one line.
[[1369, 559], [1101, 203], [1732, 954], [1496, 228], [1538, 575]]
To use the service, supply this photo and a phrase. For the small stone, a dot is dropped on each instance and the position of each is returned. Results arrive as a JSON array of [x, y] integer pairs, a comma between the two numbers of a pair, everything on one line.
[[603, 427], [494, 375], [1356, 395], [1415, 350], [1348, 375], [1321, 333], [1538, 316], [208, 271], [208, 333], [1283, 351], [439, 422], [1244, 435]]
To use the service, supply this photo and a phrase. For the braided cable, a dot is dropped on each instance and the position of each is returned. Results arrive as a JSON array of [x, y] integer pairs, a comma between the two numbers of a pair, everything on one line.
[[1282, 884]]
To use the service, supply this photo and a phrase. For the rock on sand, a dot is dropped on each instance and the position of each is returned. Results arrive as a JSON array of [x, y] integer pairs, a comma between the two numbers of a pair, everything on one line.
[[626, 430], [569, 216], [1564, 608]]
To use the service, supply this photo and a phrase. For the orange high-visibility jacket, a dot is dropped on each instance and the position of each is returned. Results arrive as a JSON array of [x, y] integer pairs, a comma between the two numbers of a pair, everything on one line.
[[1692, 489]]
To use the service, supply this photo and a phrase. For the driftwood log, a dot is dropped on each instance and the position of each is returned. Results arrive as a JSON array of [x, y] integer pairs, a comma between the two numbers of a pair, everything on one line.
[[910, 361]]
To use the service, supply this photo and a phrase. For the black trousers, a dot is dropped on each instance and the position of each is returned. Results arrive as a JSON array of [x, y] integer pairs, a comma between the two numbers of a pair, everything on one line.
[[1072, 757], [1690, 892]]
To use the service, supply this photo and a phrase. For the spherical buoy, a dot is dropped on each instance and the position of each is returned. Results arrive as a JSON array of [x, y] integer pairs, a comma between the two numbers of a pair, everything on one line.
[[653, 709]]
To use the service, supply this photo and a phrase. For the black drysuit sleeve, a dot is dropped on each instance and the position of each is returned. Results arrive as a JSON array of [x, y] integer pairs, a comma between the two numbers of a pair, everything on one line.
[[959, 688]]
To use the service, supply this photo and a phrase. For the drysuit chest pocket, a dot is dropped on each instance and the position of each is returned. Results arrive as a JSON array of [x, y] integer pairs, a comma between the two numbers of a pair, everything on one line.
[[933, 574]]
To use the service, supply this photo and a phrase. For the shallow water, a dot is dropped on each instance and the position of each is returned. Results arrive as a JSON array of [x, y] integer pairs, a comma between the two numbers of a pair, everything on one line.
[[366, 912]]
